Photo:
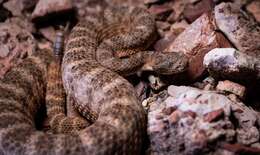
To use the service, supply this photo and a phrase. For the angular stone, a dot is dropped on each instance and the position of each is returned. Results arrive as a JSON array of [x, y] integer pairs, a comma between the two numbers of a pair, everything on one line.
[[195, 10], [17, 7], [241, 29], [254, 9], [232, 87], [46, 7], [228, 63], [204, 38]]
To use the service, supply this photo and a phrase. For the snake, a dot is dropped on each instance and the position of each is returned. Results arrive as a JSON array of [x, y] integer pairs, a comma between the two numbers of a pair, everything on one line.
[[92, 75]]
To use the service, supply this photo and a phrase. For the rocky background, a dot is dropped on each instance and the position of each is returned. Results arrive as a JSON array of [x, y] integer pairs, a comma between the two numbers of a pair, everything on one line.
[[212, 108]]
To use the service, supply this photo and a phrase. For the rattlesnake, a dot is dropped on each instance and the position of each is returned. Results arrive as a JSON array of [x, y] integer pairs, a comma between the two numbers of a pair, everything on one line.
[[101, 95]]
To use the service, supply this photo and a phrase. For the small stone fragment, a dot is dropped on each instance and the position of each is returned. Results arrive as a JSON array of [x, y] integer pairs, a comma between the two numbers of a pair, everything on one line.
[[204, 38], [254, 9], [232, 87], [214, 115], [231, 64], [46, 7]]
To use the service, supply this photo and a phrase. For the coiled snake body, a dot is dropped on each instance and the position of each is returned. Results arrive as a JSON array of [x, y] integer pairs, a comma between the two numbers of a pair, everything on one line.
[[101, 95]]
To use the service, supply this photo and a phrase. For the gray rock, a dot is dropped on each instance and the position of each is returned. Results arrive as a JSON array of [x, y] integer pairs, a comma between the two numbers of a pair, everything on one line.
[[228, 63], [240, 28]]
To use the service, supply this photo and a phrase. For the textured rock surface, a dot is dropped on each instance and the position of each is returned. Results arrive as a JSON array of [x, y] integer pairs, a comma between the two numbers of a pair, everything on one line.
[[239, 28], [15, 44], [46, 7], [194, 121], [229, 63], [197, 40]]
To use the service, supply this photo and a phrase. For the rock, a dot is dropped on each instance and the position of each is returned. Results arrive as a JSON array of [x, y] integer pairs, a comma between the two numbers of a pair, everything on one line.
[[16, 43], [169, 36], [248, 136], [189, 119], [214, 115], [23, 23], [228, 63], [178, 7], [254, 9], [4, 51], [232, 87], [195, 10], [49, 33], [241, 29], [204, 38], [13, 7], [164, 42], [161, 12], [90, 7], [246, 117], [17, 7], [179, 27], [48, 7]]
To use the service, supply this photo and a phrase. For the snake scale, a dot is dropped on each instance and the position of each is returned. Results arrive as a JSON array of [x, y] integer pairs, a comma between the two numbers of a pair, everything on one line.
[[91, 76]]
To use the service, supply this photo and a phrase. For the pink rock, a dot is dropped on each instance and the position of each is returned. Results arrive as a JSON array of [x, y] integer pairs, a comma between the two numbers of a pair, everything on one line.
[[197, 40], [45, 7], [241, 29], [49, 33], [232, 87]]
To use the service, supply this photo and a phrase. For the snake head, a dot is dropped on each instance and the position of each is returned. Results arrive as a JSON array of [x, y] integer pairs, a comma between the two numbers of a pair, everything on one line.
[[166, 63]]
